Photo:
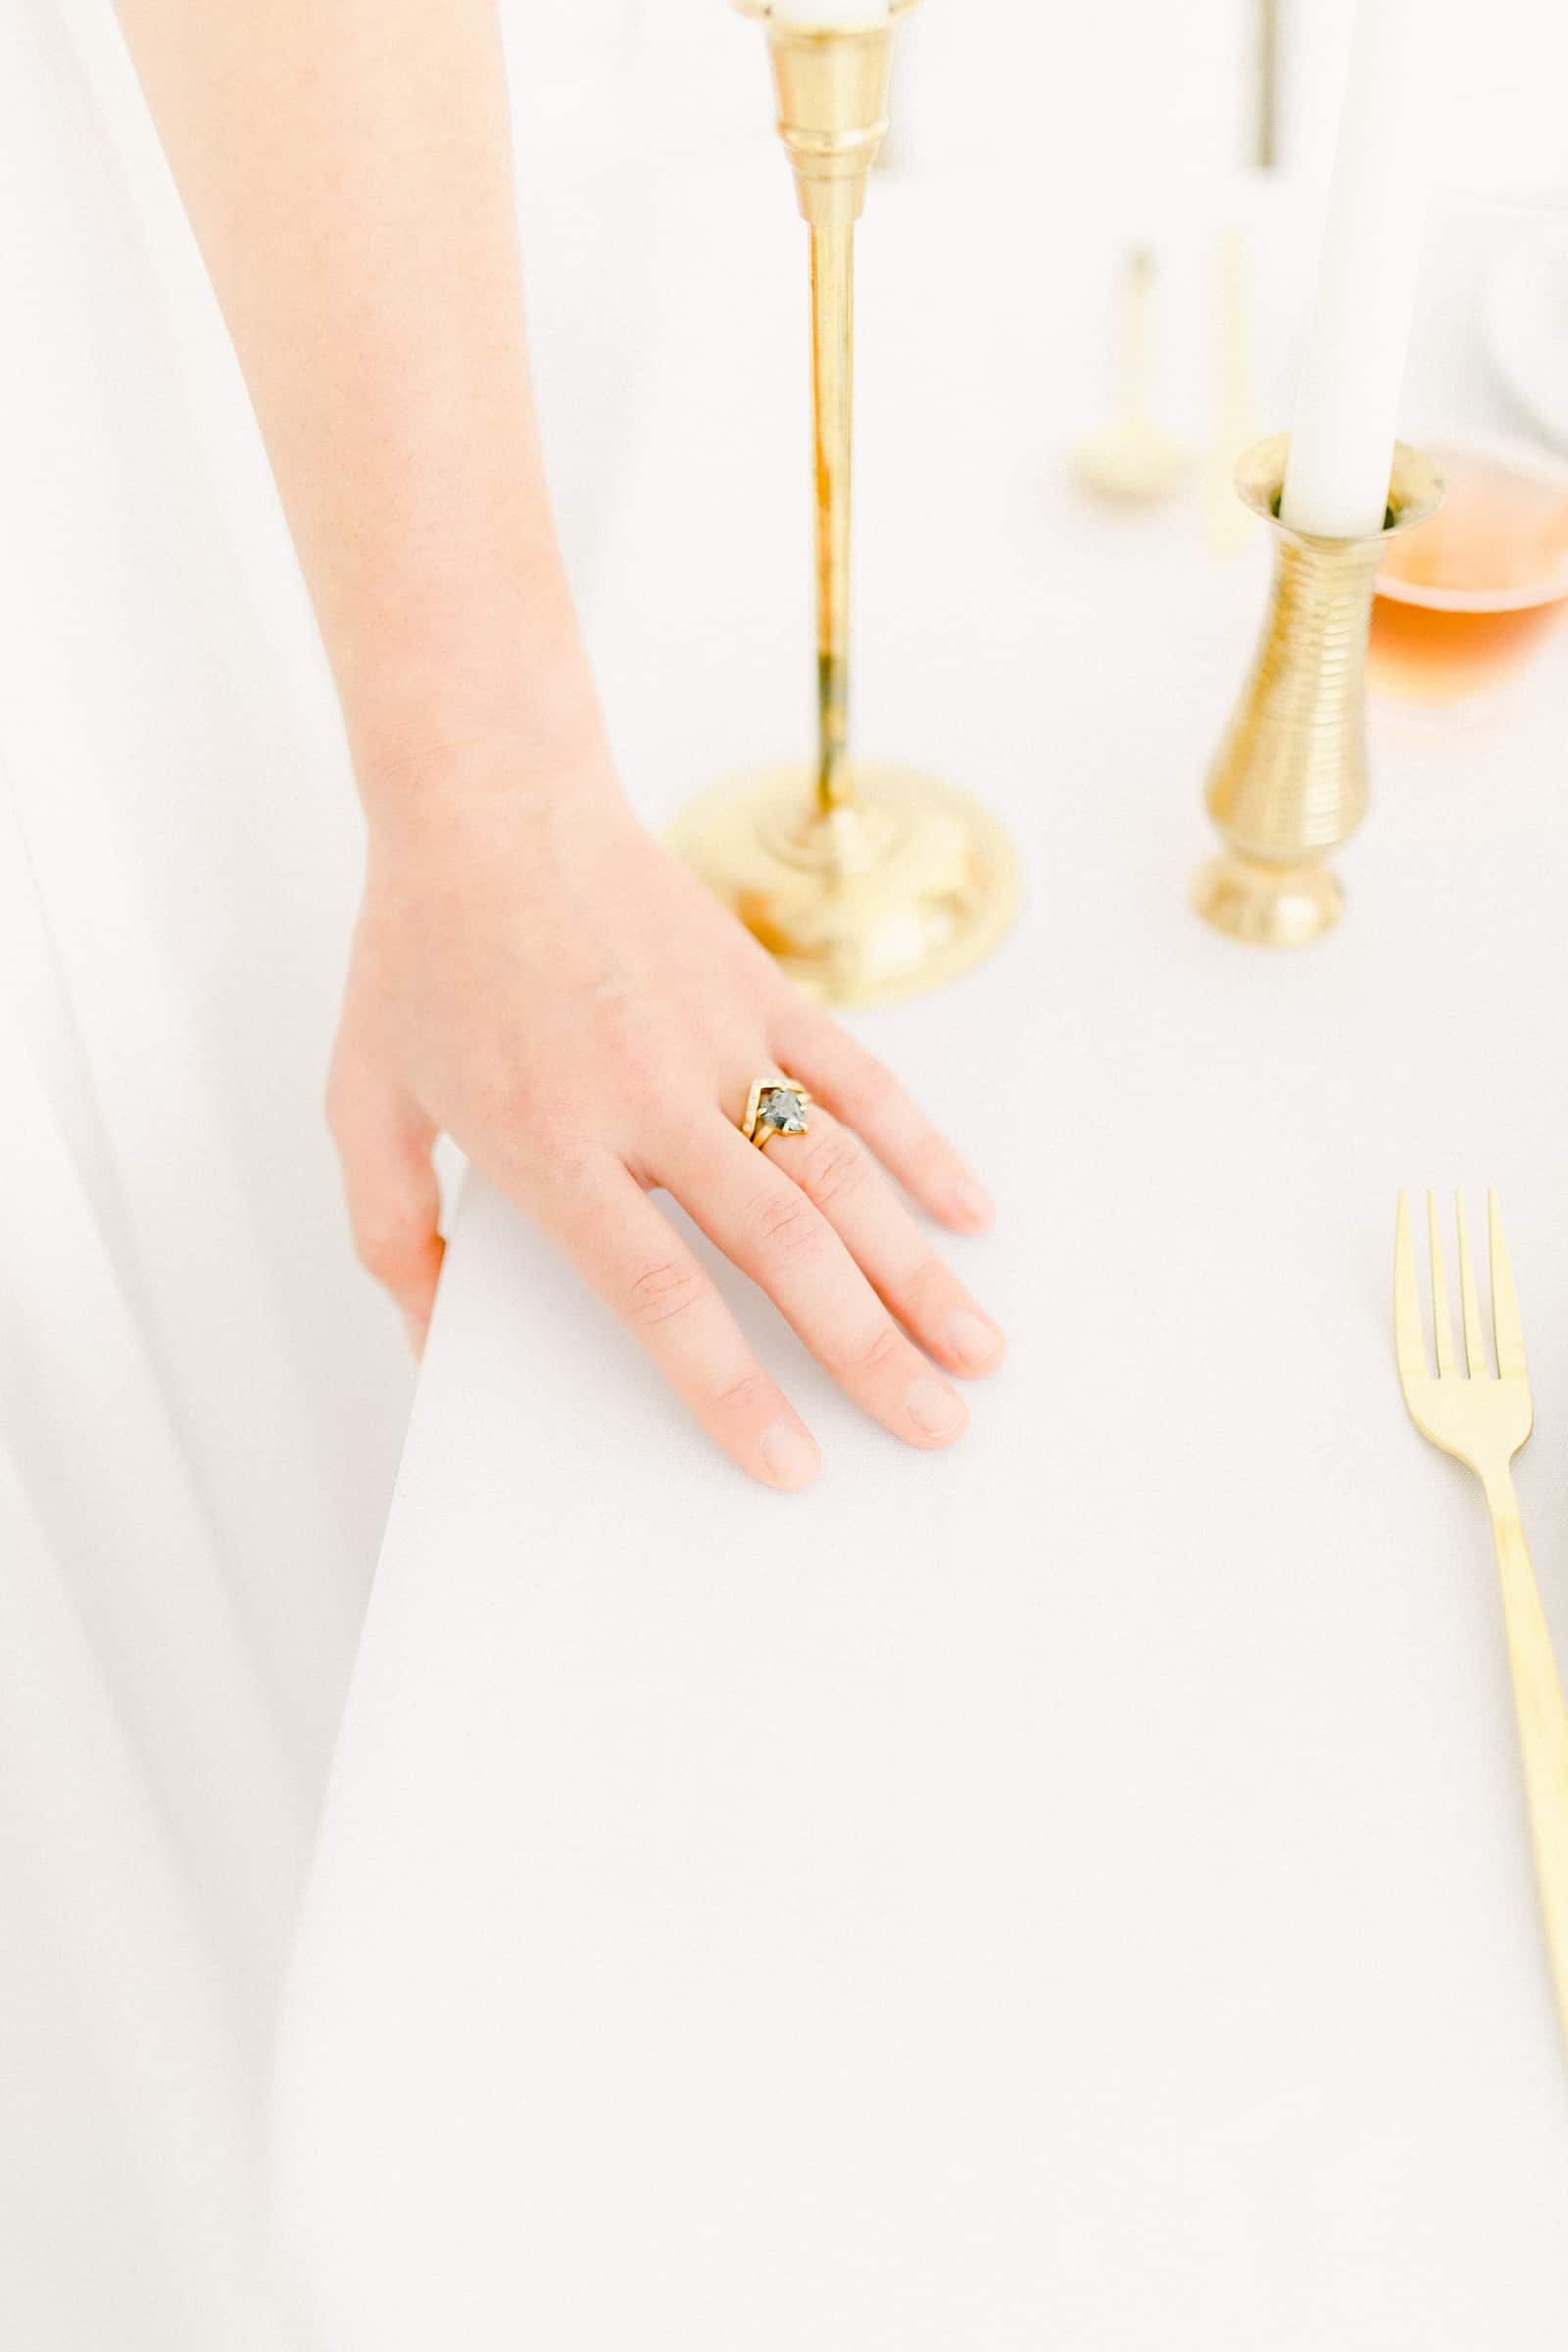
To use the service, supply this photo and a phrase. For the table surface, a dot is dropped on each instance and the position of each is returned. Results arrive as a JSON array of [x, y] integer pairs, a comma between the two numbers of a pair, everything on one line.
[[1073, 1889]]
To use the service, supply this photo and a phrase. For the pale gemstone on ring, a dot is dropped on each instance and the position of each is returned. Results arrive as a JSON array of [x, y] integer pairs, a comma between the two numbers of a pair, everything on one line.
[[781, 1109]]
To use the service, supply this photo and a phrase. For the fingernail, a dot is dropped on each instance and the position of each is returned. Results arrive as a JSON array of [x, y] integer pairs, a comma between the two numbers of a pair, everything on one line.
[[413, 1332], [789, 1455], [933, 1409], [971, 1338], [971, 1205]]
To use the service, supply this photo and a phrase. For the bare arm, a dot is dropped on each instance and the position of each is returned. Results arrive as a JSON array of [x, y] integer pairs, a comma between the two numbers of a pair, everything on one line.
[[347, 167], [530, 973]]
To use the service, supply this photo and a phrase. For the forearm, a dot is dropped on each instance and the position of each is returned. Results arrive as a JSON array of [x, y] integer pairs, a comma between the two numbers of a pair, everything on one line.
[[347, 168]]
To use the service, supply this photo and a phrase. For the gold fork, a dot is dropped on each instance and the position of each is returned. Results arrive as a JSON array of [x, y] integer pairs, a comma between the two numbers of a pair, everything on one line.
[[1483, 1419]]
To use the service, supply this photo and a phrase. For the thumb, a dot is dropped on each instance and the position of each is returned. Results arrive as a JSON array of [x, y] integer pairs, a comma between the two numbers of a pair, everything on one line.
[[384, 1145]]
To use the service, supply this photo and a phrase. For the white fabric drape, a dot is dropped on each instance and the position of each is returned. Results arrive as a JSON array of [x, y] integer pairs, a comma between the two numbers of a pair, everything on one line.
[[200, 1403], [201, 1399]]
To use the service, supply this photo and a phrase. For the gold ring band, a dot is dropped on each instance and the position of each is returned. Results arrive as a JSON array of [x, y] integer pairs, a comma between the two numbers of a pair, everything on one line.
[[774, 1107]]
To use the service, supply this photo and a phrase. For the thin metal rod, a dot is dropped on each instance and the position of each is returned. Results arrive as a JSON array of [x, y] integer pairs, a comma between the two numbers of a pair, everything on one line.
[[1137, 354], [832, 409], [1268, 84]]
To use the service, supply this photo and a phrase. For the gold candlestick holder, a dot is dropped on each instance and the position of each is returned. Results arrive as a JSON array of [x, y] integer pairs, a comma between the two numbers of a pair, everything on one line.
[[1289, 782], [869, 882]]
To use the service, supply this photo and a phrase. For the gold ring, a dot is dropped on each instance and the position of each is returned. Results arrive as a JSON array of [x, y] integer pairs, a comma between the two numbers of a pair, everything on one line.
[[774, 1107]]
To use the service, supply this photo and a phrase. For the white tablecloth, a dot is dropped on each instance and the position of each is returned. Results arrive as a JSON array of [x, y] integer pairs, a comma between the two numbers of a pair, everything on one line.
[[1071, 1890]]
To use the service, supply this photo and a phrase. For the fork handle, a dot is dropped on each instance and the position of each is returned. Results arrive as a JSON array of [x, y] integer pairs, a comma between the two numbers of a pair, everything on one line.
[[1542, 1735]]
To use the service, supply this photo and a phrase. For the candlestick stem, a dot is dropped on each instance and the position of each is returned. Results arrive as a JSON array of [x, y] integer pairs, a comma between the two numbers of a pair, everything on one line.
[[1268, 84], [833, 403]]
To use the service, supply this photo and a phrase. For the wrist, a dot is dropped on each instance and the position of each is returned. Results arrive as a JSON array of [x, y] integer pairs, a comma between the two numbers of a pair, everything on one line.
[[523, 729], [465, 641], [521, 786]]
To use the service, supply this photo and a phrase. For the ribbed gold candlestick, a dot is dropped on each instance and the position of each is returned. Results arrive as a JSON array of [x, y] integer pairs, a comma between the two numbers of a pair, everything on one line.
[[1289, 782], [867, 882]]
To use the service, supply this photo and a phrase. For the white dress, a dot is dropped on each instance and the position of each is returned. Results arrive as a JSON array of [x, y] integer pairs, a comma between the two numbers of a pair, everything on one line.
[[201, 1399], [200, 1403]]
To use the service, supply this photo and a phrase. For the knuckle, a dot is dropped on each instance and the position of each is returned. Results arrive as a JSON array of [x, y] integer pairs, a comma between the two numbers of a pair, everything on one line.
[[876, 1353], [550, 1163], [835, 1169], [566, 1163], [508, 1102], [500, 1085], [744, 1399], [931, 1282], [788, 1227], [642, 1056], [661, 1293]]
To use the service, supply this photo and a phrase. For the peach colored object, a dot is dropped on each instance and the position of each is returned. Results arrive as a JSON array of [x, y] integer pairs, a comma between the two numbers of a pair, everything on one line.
[[1468, 598]]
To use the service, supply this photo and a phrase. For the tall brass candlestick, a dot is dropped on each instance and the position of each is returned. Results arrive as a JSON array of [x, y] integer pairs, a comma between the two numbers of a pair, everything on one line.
[[867, 882]]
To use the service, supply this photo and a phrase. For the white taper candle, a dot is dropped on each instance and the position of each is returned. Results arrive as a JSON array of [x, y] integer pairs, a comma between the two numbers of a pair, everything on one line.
[[1347, 410]]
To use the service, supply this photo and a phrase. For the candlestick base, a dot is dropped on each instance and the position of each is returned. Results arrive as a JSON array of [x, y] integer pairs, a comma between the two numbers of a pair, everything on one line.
[[1268, 905], [902, 889]]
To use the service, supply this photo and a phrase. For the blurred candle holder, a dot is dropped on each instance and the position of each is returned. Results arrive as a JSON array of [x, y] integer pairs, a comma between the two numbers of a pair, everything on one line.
[[867, 882], [1468, 601], [1289, 782], [1134, 458]]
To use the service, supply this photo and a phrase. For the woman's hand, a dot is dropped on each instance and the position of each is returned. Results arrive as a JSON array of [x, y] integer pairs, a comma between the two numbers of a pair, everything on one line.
[[530, 973], [534, 977]]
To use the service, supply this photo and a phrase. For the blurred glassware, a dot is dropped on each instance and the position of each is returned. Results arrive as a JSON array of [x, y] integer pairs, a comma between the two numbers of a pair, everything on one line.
[[1525, 324], [1132, 458], [1229, 527], [1502, 74], [1469, 598]]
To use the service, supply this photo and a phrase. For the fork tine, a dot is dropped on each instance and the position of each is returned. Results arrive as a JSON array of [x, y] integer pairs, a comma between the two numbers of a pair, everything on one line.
[[1475, 1343], [1441, 1320], [1408, 1345], [1505, 1325]]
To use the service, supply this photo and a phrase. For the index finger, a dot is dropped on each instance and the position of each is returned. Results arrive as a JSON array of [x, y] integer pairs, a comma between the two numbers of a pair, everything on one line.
[[638, 1264]]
